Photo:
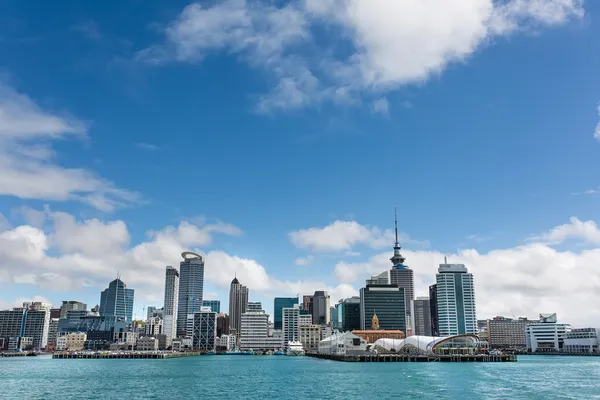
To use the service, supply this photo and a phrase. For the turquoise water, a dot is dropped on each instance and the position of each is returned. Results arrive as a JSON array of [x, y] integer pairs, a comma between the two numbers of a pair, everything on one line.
[[248, 377]]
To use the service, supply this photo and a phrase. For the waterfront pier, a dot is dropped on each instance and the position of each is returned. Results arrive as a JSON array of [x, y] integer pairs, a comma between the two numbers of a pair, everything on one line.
[[417, 358], [124, 355]]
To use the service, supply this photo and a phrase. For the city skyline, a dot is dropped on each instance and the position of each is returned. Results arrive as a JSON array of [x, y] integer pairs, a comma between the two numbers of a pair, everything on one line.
[[280, 159]]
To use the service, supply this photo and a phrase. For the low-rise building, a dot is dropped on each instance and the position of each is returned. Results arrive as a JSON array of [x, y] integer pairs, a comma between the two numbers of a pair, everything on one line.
[[506, 333], [310, 336], [226, 342], [372, 335], [546, 335], [346, 343], [75, 341], [582, 340], [147, 343]]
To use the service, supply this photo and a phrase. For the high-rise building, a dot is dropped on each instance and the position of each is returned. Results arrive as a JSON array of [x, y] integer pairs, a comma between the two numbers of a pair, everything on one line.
[[52, 331], [170, 304], [321, 308], [455, 300], [279, 304], [55, 313], [191, 288], [204, 331], [387, 301], [421, 316], [254, 332], [215, 305], [290, 324], [307, 301], [117, 300], [222, 324], [71, 305], [401, 275], [348, 311], [238, 301], [30, 321], [435, 324]]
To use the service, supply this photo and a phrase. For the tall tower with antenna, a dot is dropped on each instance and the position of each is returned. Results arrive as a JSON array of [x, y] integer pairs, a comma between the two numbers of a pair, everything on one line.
[[403, 277]]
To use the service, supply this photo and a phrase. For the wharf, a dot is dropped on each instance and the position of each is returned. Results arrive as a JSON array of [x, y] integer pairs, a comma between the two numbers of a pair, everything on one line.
[[14, 354], [420, 358], [127, 355]]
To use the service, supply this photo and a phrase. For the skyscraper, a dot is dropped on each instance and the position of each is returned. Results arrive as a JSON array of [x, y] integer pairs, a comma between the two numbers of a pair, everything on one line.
[[238, 301], [455, 300], [320, 308], [149, 311], [290, 322], [421, 316], [117, 300], [401, 275], [279, 304], [435, 325], [191, 287], [170, 304], [204, 330], [387, 301], [349, 314]]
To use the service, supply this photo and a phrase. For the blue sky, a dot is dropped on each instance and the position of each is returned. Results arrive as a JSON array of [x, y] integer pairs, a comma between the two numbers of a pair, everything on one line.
[[259, 125]]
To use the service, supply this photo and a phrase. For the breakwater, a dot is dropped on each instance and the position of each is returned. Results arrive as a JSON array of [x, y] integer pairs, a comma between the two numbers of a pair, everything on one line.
[[124, 355], [417, 358]]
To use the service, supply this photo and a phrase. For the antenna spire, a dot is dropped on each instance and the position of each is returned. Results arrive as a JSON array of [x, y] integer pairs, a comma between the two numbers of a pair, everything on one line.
[[396, 224]]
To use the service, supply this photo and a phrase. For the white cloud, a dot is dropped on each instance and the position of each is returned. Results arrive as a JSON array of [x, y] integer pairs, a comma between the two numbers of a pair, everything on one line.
[[521, 281], [582, 231], [380, 106], [406, 104], [394, 42], [597, 132], [304, 260], [7, 305], [27, 168], [343, 235]]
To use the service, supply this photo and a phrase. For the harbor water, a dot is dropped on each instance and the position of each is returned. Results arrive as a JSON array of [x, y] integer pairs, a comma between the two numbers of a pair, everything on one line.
[[281, 377]]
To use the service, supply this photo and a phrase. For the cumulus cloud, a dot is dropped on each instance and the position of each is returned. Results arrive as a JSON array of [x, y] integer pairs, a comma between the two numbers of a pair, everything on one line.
[[393, 42], [581, 231], [27, 166], [343, 235], [68, 254], [521, 281]]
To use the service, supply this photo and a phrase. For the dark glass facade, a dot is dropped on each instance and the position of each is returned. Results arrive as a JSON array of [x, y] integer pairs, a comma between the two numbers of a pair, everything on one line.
[[435, 324], [350, 314], [279, 304], [387, 301], [215, 305], [117, 300]]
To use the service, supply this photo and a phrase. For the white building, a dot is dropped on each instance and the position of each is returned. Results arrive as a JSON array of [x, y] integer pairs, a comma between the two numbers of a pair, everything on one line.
[[61, 343], [455, 295], [147, 343], [310, 336], [546, 335], [154, 326], [254, 333], [170, 307], [227, 342], [422, 345], [582, 340], [290, 324], [346, 343]]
